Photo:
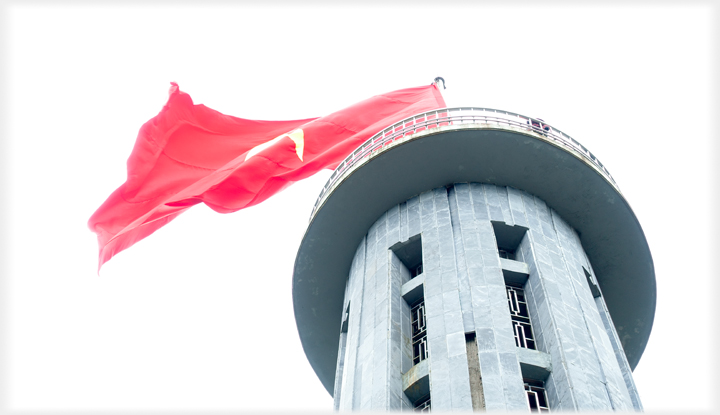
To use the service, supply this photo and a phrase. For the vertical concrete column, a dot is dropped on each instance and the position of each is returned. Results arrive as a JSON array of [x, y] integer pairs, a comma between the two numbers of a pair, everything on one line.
[[339, 370], [619, 353], [381, 356], [499, 367], [596, 344], [352, 381], [397, 275], [449, 378], [410, 225], [370, 373]]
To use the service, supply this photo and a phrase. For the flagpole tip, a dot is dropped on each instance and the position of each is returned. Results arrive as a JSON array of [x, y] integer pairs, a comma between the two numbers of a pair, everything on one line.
[[437, 80]]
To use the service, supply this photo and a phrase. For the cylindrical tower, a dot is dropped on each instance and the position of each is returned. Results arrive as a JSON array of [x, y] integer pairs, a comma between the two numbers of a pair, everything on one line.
[[470, 258]]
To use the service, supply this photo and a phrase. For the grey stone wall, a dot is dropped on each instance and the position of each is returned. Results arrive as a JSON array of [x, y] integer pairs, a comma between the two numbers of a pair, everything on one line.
[[464, 291]]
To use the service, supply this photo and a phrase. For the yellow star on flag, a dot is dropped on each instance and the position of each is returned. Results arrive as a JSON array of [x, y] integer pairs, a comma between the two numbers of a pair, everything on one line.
[[297, 136]]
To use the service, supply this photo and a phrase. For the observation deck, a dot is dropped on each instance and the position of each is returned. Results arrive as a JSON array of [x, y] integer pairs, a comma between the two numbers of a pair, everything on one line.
[[481, 145]]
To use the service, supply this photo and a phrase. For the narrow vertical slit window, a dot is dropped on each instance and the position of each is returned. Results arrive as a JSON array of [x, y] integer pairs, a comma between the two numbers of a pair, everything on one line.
[[423, 404], [520, 317], [419, 331], [537, 399], [592, 283], [340, 366]]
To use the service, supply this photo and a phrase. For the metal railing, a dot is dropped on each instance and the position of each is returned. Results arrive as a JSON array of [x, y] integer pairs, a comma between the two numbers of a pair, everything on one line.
[[423, 404], [520, 317], [449, 117], [419, 333]]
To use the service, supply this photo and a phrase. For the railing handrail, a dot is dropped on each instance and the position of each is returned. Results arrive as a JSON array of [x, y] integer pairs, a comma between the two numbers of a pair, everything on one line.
[[454, 116]]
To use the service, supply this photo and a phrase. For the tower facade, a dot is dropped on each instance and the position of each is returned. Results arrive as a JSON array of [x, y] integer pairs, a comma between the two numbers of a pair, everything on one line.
[[474, 259]]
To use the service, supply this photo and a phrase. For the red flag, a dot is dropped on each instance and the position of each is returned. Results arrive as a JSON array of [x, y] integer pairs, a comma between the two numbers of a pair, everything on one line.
[[189, 154]]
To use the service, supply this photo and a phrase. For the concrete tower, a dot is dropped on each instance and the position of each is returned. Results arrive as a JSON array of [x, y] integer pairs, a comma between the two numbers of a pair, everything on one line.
[[472, 258]]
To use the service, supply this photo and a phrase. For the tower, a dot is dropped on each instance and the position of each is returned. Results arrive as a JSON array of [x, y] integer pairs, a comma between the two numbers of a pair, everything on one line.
[[471, 258]]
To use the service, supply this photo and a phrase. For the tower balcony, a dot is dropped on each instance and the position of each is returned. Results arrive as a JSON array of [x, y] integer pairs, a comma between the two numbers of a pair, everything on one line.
[[470, 145], [452, 119]]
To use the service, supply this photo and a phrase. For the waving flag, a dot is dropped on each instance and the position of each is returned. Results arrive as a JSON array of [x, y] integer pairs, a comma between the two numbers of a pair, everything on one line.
[[189, 154]]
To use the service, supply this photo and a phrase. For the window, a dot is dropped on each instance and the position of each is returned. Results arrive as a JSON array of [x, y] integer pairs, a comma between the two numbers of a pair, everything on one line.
[[345, 318], [506, 254], [419, 332], [417, 389], [520, 317], [410, 254], [415, 342], [592, 283], [537, 400], [423, 404], [508, 239], [416, 271]]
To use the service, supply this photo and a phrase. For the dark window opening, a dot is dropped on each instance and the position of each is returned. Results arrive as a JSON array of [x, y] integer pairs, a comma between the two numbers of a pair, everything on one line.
[[345, 319], [506, 254], [410, 254], [592, 283], [416, 271], [537, 399], [520, 317], [508, 239]]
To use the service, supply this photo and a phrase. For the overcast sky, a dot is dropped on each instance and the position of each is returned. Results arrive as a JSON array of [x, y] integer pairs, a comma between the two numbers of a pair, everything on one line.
[[199, 315]]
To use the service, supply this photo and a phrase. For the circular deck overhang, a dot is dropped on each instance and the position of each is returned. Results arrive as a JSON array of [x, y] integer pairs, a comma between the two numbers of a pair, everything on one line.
[[385, 172]]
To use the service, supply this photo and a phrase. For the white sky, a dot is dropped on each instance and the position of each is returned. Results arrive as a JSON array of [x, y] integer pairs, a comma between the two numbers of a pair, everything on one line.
[[199, 315]]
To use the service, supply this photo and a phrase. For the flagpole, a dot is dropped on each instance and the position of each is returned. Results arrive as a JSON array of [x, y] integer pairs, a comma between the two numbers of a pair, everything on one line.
[[437, 81]]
